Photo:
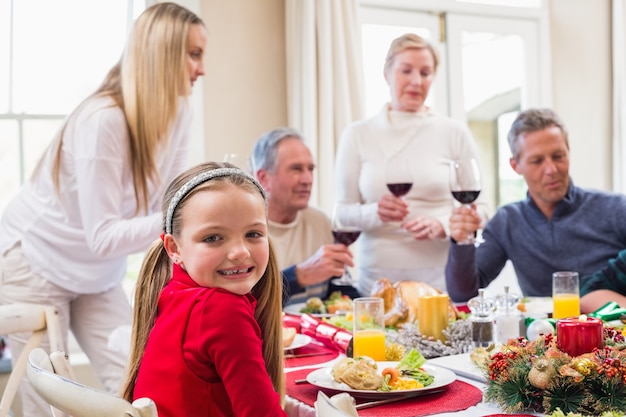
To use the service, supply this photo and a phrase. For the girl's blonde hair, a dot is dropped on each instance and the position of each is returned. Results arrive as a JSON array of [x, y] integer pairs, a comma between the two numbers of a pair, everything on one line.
[[156, 272], [147, 84], [409, 41]]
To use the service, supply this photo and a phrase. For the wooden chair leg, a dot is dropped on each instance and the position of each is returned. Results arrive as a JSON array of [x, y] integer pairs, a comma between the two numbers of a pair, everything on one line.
[[18, 371], [53, 328], [39, 320]]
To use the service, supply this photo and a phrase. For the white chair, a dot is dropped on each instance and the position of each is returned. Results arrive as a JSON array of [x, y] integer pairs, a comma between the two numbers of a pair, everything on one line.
[[76, 399], [35, 318]]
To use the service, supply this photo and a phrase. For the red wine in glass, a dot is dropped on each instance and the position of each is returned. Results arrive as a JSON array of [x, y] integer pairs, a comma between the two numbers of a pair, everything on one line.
[[345, 224], [398, 179], [399, 189], [465, 185], [466, 197], [346, 236]]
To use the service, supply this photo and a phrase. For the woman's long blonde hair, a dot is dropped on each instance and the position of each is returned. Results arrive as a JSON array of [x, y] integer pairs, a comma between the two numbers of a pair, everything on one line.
[[156, 272], [147, 84]]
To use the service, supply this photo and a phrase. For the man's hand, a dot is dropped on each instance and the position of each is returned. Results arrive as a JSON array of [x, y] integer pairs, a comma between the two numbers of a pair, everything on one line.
[[392, 209], [463, 222], [329, 261]]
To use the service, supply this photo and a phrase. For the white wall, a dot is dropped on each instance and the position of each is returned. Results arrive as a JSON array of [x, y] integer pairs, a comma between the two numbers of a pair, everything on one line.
[[245, 85], [245, 92], [581, 79]]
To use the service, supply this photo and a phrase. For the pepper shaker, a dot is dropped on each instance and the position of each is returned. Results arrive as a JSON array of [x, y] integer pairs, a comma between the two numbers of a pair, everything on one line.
[[481, 319]]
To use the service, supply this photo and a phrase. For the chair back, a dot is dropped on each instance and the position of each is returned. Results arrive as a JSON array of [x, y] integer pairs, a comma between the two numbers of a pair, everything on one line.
[[76, 399], [36, 319]]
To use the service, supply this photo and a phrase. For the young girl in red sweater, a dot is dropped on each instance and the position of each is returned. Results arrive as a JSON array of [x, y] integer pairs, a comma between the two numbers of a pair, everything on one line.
[[207, 324]]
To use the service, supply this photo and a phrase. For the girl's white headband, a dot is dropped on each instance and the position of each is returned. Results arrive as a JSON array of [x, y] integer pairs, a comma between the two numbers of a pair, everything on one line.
[[202, 178]]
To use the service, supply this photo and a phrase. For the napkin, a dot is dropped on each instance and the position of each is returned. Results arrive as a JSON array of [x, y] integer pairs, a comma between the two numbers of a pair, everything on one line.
[[340, 405]]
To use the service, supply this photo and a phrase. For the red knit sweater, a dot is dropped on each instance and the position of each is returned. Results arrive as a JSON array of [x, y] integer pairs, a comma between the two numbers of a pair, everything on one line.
[[203, 357]]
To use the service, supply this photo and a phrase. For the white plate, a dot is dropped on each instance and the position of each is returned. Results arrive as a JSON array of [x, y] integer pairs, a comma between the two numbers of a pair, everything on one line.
[[538, 306], [461, 365], [295, 309], [323, 379], [299, 341]]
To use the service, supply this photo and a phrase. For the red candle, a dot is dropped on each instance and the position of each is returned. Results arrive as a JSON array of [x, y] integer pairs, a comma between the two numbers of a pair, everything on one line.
[[578, 335]]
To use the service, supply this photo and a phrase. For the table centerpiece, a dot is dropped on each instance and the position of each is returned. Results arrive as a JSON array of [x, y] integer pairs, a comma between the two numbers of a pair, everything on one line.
[[537, 376]]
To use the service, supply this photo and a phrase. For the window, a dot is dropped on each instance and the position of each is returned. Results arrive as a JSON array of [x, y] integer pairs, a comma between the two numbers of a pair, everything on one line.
[[52, 55], [492, 66]]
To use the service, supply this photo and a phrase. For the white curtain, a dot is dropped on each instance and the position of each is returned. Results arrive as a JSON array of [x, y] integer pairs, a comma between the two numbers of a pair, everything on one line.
[[619, 95], [324, 80]]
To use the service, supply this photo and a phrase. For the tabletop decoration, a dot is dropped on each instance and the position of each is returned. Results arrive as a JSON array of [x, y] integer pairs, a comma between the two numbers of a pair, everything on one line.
[[536, 376], [609, 312], [578, 335], [325, 333], [458, 339]]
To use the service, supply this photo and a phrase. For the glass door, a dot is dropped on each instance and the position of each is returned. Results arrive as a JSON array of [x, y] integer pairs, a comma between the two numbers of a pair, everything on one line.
[[494, 72]]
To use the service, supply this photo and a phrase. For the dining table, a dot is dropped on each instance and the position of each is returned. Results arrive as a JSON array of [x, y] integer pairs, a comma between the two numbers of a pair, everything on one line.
[[462, 397]]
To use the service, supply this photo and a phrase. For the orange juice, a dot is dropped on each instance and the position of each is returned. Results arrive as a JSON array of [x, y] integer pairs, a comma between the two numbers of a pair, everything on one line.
[[369, 343], [566, 305]]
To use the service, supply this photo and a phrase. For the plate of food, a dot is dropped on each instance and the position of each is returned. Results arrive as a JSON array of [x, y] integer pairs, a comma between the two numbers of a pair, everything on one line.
[[336, 304], [299, 341], [365, 378]]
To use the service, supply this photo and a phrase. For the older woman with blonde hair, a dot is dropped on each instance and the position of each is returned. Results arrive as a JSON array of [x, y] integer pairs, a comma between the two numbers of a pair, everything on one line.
[[95, 195], [405, 131]]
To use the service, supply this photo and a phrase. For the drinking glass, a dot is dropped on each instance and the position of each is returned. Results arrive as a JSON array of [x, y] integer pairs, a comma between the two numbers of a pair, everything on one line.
[[398, 177], [565, 294], [346, 228], [465, 185], [369, 328]]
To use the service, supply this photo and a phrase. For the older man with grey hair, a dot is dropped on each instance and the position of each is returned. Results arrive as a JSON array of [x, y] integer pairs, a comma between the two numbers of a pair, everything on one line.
[[301, 235]]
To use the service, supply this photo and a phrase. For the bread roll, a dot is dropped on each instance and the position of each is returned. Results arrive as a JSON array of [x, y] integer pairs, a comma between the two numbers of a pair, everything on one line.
[[289, 334]]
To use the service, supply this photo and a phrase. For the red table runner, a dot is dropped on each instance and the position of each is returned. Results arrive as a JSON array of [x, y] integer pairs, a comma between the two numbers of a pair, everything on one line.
[[510, 415], [322, 354], [458, 396]]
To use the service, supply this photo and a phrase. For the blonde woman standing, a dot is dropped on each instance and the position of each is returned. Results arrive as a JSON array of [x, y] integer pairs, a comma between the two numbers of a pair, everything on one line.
[[95, 195]]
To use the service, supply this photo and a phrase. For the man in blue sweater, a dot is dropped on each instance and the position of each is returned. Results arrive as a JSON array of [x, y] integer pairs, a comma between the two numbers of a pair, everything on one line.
[[557, 227]]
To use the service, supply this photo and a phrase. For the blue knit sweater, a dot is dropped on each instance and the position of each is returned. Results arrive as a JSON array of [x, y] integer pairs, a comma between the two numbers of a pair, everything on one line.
[[587, 229]]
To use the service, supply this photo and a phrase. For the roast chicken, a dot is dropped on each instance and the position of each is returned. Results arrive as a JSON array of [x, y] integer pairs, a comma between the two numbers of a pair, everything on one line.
[[400, 300]]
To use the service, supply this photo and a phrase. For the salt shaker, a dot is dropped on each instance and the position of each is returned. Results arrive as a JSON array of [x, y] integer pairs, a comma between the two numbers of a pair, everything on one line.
[[509, 319], [481, 319]]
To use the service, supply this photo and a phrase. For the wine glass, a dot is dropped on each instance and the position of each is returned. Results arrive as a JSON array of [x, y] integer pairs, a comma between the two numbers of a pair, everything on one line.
[[465, 184], [346, 228], [398, 177]]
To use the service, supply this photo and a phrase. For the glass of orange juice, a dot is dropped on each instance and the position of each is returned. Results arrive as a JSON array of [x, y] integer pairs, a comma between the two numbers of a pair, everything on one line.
[[565, 294], [368, 337]]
